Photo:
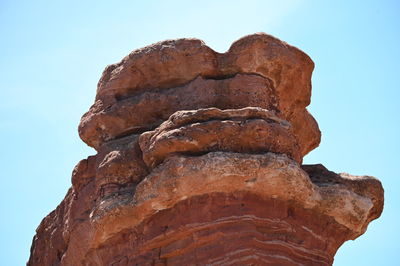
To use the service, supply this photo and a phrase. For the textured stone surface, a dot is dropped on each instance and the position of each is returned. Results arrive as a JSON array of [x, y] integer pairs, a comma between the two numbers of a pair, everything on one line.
[[247, 130], [199, 162], [158, 80]]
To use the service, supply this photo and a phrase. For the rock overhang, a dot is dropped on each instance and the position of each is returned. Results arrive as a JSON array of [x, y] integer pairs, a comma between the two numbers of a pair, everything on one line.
[[346, 198], [258, 70]]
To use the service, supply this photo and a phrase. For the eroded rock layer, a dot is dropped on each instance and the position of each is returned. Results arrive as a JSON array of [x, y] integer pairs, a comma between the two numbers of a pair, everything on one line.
[[156, 81], [199, 163]]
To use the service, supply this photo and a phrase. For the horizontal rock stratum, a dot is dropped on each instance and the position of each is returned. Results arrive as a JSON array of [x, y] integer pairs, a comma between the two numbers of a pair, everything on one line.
[[199, 162]]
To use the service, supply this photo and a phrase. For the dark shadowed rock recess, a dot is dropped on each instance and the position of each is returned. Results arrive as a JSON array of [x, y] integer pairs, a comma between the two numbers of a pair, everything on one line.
[[199, 162]]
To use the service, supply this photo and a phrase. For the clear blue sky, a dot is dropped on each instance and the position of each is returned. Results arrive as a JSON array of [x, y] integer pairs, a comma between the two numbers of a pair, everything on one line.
[[53, 53]]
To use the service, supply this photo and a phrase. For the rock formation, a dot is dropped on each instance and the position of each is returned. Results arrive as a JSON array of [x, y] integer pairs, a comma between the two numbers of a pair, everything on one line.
[[199, 163]]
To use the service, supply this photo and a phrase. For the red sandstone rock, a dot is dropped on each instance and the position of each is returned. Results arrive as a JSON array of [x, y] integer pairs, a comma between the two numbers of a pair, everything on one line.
[[185, 74], [149, 109], [247, 130], [198, 162]]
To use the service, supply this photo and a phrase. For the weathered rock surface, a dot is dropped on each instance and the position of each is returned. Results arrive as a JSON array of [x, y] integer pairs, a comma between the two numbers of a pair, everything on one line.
[[199, 163], [247, 130], [158, 80]]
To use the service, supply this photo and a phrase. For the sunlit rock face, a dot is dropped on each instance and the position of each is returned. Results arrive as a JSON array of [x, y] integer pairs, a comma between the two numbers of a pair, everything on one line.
[[199, 162]]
